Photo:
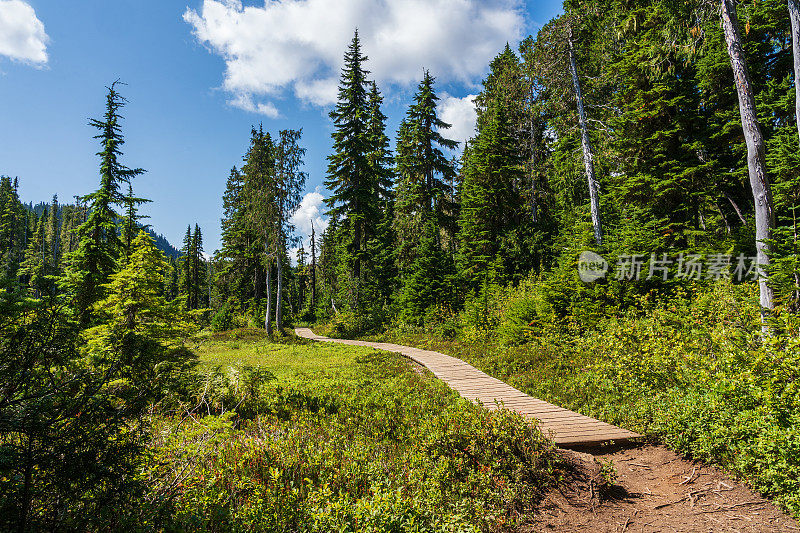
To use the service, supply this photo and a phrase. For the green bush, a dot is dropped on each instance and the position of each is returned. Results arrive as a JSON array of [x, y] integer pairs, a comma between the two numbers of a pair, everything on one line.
[[223, 319], [348, 324]]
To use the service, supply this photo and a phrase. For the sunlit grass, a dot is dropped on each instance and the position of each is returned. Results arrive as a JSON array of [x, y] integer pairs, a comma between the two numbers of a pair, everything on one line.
[[289, 359]]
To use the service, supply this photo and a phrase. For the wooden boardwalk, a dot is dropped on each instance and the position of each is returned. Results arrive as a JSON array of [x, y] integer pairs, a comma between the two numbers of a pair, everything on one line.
[[565, 427]]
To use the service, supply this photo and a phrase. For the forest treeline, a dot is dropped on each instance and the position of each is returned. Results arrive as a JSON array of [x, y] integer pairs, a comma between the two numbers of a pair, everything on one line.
[[616, 129]]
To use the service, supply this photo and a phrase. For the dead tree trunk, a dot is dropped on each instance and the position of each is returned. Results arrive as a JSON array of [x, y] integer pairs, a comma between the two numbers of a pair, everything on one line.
[[794, 17], [588, 154], [313, 271], [756, 163], [279, 296], [268, 315], [534, 207]]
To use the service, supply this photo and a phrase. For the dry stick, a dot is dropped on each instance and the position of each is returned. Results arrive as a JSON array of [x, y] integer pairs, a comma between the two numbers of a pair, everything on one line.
[[628, 521], [689, 478]]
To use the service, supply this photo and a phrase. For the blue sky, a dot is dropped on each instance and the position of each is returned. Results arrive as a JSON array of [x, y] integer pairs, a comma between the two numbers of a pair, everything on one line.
[[200, 73]]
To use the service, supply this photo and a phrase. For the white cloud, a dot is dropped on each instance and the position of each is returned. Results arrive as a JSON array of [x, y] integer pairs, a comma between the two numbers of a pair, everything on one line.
[[297, 46], [460, 114], [22, 35], [245, 102], [310, 209]]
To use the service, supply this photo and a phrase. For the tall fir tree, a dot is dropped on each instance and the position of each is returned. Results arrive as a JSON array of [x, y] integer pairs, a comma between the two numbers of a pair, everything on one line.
[[199, 270], [425, 176], [132, 217], [13, 227], [99, 248], [186, 278], [53, 238], [351, 176], [260, 215], [289, 184], [491, 205], [241, 271]]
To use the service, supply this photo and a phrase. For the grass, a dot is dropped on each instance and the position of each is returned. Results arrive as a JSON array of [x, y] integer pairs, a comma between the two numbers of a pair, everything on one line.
[[325, 437], [289, 359]]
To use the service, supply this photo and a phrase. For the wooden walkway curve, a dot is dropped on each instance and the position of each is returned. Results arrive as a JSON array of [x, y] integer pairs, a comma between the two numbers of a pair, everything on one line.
[[565, 427]]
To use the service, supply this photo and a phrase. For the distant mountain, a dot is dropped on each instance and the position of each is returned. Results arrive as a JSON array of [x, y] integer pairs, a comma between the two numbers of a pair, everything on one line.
[[164, 245], [161, 242]]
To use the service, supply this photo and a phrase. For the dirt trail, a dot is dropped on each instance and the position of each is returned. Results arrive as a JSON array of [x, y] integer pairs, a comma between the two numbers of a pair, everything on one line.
[[656, 490]]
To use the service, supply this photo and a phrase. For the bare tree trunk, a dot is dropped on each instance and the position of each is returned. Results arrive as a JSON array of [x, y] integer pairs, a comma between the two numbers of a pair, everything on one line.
[[756, 164], [534, 207], [794, 17], [268, 315], [279, 296], [588, 154], [313, 271]]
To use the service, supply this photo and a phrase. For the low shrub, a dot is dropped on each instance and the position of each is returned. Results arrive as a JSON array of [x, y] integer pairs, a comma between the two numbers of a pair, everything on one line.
[[380, 448], [223, 319]]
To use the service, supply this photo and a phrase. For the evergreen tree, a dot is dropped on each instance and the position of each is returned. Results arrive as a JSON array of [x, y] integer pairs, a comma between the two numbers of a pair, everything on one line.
[[260, 222], [69, 225], [351, 176], [380, 155], [289, 181], [186, 279], [241, 272], [491, 205], [199, 270], [429, 280], [53, 237], [95, 258], [425, 175], [12, 227], [171, 279], [302, 277], [661, 183], [137, 319], [132, 218], [381, 255], [35, 268]]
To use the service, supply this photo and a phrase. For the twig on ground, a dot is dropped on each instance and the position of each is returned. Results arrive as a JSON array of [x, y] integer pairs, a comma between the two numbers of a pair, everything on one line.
[[690, 478]]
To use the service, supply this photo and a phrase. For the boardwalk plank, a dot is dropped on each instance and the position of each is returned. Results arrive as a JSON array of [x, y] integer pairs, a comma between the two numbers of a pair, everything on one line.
[[565, 427]]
